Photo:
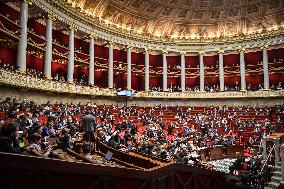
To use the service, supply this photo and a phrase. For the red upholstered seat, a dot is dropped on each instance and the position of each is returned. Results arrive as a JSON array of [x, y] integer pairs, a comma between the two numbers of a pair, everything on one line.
[[21, 112], [2, 114], [42, 120]]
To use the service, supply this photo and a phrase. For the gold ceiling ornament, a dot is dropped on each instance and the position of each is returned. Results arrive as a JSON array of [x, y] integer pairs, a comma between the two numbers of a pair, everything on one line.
[[201, 52], [129, 46], [165, 51], [182, 52], [30, 2], [93, 35], [241, 49], [110, 42], [51, 16], [73, 27], [264, 46], [146, 49], [221, 51]]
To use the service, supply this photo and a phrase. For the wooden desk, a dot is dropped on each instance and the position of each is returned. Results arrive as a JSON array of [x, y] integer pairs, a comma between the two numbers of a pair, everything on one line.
[[220, 152], [275, 135]]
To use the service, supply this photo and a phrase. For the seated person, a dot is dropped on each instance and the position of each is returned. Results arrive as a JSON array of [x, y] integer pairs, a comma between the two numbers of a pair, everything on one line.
[[78, 148], [23, 122], [239, 161], [9, 138], [48, 130], [35, 144], [254, 165]]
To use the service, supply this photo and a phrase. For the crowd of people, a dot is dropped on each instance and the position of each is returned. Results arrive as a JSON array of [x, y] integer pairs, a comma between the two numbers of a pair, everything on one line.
[[217, 125], [169, 132]]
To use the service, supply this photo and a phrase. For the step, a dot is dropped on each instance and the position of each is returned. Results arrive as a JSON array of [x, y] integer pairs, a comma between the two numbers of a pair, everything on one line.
[[273, 185], [277, 174], [276, 179], [277, 168]]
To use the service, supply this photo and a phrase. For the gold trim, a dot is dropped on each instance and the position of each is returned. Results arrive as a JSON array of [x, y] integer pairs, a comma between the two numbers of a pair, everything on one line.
[[27, 82], [165, 51], [201, 53], [73, 27], [221, 51], [93, 36], [70, 81], [182, 52], [29, 2], [21, 71], [48, 78], [51, 16]]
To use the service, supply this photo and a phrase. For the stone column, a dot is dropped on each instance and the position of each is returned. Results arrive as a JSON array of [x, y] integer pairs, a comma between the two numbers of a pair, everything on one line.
[[70, 70], [221, 70], [201, 66], [147, 70], [165, 71], [92, 60], [243, 69], [48, 51], [22, 44], [182, 72], [110, 65], [265, 68], [129, 68]]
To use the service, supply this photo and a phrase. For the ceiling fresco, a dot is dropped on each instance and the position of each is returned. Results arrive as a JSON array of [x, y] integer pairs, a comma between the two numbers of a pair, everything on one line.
[[190, 19]]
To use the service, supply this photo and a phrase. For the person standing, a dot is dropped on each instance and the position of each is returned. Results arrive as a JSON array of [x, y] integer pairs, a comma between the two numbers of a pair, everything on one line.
[[88, 124]]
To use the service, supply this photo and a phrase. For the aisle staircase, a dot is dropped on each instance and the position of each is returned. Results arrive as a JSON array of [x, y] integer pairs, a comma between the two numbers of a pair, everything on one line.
[[276, 177]]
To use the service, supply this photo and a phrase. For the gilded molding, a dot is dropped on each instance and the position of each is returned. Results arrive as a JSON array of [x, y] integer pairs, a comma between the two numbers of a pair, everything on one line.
[[24, 81], [165, 51], [221, 51], [51, 16], [209, 95], [29, 2], [201, 53], [73, 27]]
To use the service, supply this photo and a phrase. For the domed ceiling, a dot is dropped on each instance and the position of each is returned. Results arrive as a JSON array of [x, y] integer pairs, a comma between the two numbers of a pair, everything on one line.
[[188, 19]]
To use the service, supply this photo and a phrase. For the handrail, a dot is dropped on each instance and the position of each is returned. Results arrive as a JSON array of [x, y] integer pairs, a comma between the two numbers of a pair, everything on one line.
[[266, 160]]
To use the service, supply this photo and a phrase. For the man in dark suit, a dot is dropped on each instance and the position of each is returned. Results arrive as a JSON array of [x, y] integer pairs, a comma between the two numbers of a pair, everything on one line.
[[254, 165], [88, 123], [9, 138], [239, 161]]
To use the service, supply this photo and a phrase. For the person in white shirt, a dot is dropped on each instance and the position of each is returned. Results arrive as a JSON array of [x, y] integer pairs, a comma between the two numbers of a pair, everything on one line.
[[35, 144]]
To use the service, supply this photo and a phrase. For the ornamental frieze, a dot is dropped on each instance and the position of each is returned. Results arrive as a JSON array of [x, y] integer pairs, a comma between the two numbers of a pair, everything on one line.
[[28, 82]]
